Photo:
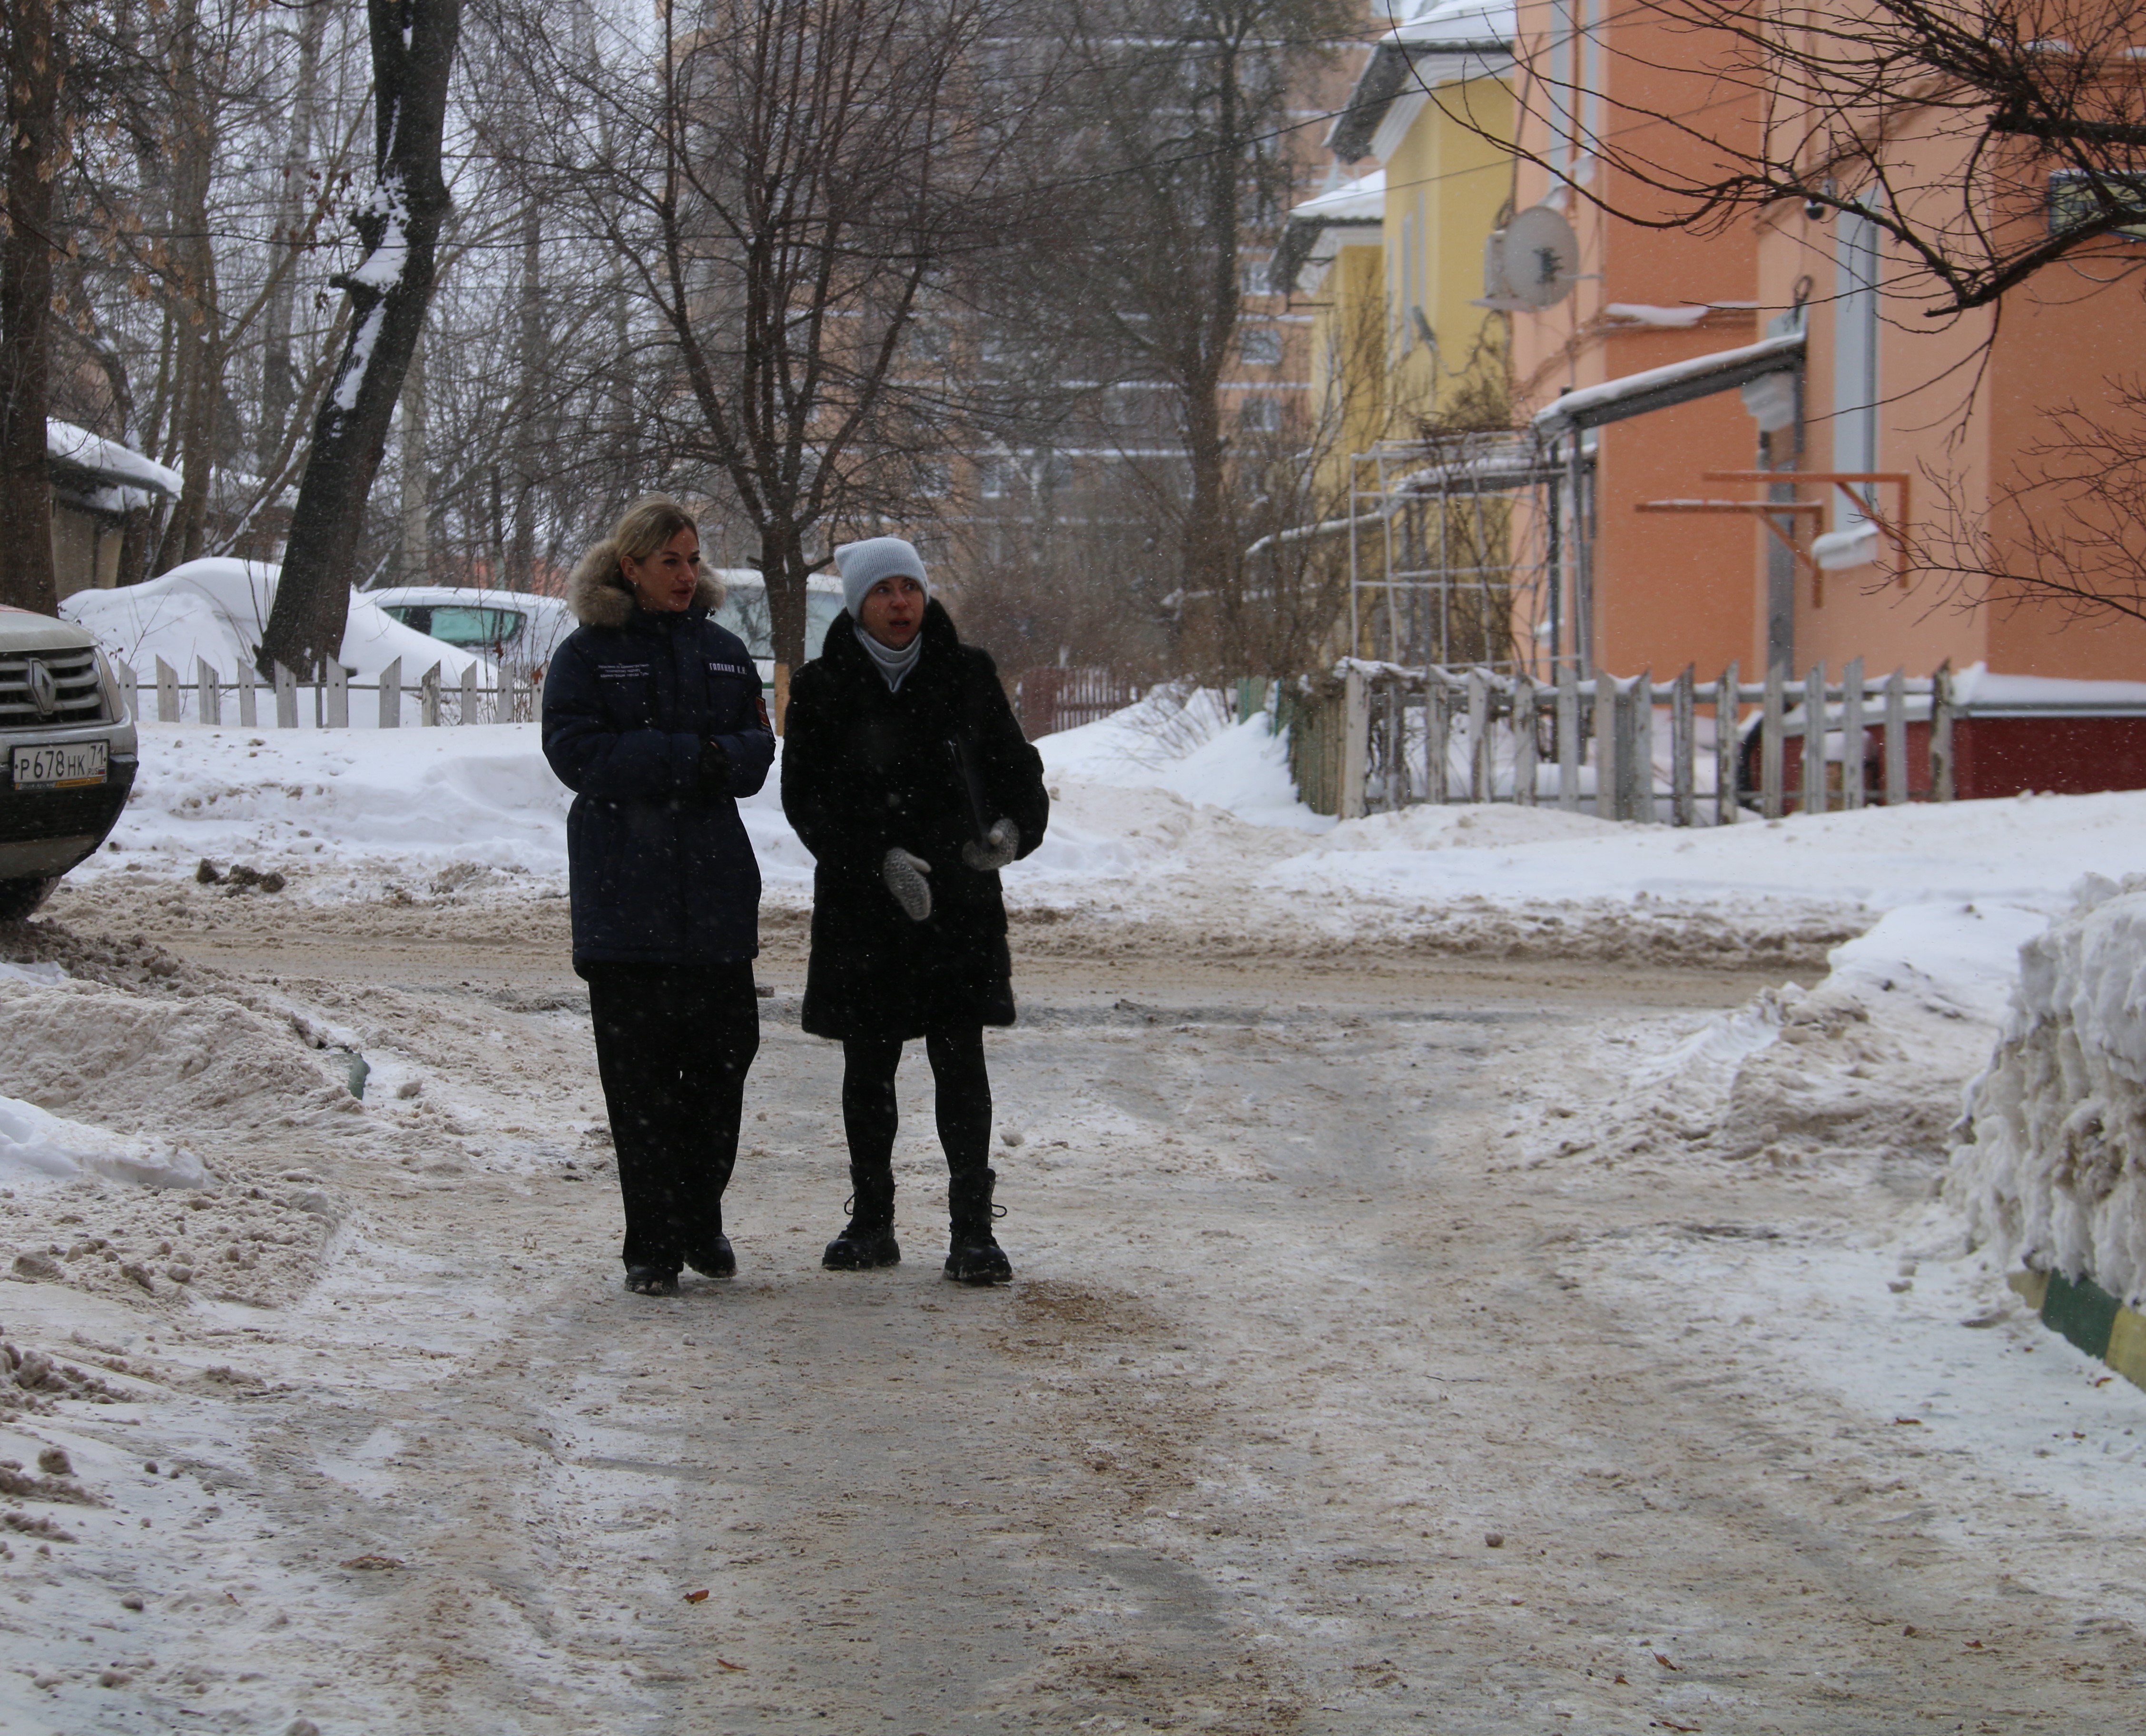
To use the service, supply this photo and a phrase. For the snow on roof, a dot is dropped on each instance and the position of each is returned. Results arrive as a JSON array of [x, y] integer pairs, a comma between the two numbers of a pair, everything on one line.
[[107, 460], [1676, 383], [1318, 228], [1458, 24], [1444, 43], [1363, 200], [1977, 692]]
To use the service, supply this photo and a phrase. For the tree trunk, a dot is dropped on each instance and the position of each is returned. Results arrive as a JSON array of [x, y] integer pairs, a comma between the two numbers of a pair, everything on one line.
[[521, 553], [277, 376], [783, 565], [414, 560], [201, 345], [27, 578], [413, 49]]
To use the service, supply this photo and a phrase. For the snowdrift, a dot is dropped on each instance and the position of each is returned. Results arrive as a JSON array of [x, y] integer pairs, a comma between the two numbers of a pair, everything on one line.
[[217, 609], [2053, 1167]]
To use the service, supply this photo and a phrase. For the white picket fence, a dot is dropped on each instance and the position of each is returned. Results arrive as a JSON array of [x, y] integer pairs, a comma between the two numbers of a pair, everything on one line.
[[426, 703], [1634, 748]]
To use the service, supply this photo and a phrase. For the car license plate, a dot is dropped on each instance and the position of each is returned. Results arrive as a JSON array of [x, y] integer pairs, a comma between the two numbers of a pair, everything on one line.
[[59, 765]]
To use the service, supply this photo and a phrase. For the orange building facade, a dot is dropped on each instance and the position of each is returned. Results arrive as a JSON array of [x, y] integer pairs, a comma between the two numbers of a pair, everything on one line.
[[1858, 380]]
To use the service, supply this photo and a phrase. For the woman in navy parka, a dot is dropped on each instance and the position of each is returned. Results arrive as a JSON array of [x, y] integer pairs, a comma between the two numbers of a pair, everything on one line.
[[653, 717]]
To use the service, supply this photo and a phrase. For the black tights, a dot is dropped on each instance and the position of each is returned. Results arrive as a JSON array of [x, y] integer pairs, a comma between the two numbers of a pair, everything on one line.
[[869, 1116]]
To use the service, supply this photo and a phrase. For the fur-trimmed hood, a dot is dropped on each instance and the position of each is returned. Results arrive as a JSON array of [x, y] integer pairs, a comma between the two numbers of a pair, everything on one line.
[[601, 598]]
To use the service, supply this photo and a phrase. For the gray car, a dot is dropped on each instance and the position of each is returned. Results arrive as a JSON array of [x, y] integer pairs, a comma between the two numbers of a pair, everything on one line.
[[69, 753]]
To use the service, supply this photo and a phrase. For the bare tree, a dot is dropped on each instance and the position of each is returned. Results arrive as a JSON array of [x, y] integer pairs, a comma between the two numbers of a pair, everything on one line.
[[787, 184], [34, 69], [1179, 127], [413, 48], [1984, 139]]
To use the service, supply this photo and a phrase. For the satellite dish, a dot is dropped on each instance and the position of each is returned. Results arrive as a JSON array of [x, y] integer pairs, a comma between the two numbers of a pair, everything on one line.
[[1531, 264]]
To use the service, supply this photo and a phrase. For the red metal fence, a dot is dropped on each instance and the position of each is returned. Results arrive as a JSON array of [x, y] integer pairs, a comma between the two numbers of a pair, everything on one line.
[[1051, 700]]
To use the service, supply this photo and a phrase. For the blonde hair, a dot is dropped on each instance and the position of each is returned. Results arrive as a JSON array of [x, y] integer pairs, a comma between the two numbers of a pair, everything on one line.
[[648, 524]]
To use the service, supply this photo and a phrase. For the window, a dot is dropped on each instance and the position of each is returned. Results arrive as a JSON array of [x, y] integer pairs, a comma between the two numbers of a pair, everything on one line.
[[456, 624], [1256, 280], [2076, 197], [1260, 346], [1259, 415]]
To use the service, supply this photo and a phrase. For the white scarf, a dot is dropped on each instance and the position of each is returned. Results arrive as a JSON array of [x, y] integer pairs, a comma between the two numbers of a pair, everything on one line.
[[894, 664]]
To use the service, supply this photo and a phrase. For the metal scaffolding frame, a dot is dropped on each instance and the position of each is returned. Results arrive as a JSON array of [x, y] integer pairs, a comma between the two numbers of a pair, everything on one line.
[[1474, 551]]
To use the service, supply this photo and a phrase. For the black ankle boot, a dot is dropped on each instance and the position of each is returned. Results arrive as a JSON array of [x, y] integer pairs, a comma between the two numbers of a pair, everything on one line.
[[974, 1255], [715, 1261], [867, 1240]]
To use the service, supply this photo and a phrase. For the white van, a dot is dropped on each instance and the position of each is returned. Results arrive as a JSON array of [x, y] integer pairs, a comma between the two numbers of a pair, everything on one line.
[[521, 631]]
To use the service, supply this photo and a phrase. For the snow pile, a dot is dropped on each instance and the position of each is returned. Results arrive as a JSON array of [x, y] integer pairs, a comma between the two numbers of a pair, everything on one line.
[[216, 610], [1188, 744], [38, 1147], [1865, 1070], [2054, 1168]]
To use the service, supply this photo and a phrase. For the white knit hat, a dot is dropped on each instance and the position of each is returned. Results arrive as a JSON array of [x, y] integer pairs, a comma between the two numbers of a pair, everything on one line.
[[863, 565]]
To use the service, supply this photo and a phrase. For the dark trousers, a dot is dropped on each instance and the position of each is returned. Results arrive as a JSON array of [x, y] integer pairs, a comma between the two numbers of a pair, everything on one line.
[[673, 1045], [869, 1117]]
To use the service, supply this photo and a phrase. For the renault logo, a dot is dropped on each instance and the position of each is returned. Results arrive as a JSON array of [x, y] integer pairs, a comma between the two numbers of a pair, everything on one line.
[[44, 691]]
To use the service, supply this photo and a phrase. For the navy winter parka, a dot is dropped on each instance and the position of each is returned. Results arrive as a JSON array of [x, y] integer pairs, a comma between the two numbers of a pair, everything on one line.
[[661, 868]]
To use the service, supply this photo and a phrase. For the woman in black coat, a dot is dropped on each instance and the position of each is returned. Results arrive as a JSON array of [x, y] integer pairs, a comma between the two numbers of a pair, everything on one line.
[[653, 717], [908, 779]]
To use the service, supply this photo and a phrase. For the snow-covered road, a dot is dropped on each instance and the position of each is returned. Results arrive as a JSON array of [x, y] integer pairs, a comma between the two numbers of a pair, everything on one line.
[[1538, 1212]]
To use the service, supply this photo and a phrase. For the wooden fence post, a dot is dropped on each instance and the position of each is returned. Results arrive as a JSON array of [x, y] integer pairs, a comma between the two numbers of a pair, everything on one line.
[[336, 698], [1896, 738], [287, 698], [1482, 751], [1772, 745], [1437, 720], [1605, 744], [1635, 750], [1527, 699], [1567, 739], [1728, 745], [428, 698], [167, 692], [391, 695], [1942, 771], [1852, 792], [1355, 743], [1814, 790], [209, 691], [249, 706], [1684, 748], [130, 688], [469, 693]]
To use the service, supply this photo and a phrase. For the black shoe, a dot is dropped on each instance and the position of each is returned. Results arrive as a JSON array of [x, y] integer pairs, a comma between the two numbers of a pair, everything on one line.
[[974, 1255], [867, 1240], [716, 1261], [651, 1281]]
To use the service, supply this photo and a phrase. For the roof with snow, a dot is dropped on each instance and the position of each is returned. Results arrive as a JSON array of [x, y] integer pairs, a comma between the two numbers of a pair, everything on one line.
[[1444, 43], [1677, 382], [1318, 228], [107, 460]]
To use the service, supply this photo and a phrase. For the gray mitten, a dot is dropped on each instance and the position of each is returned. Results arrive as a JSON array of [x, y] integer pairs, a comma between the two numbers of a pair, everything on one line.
[[1000, 845], [904, 875]]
